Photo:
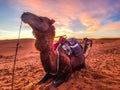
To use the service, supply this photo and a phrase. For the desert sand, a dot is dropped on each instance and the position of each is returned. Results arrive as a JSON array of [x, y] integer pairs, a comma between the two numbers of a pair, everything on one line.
[[102, 72]]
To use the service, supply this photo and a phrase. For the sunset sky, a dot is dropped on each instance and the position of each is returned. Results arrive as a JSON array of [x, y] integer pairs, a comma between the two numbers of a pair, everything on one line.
[[75, 18]]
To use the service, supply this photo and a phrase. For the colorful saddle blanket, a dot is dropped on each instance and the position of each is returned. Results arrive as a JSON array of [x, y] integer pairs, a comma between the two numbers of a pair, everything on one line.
[[71, 46]]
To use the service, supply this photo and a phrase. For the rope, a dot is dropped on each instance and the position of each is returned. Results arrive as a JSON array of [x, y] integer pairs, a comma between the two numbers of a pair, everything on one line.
[[17, 46], [57, 63], [58, 57]]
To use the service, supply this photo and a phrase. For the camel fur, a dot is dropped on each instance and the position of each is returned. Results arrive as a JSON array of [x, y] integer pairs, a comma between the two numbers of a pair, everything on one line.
[[44, 32]]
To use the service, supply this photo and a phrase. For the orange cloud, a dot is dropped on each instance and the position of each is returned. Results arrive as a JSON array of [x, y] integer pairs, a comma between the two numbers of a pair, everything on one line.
[[93, 28], [111, 26], [87, 20]]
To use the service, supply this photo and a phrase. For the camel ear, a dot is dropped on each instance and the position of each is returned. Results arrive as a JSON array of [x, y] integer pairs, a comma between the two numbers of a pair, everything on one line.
[[52, 21]]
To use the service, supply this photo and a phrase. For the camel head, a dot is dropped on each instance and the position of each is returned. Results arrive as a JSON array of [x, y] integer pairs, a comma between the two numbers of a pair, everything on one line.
[[37, 22], [43, 29]]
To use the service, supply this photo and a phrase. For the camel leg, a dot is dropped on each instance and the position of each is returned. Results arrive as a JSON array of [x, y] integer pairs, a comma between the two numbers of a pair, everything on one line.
[[45, 78], [83, 66], [62, 76]]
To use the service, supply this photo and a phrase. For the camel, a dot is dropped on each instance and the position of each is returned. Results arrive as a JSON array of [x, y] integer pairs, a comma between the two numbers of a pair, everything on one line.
[[44, 32]]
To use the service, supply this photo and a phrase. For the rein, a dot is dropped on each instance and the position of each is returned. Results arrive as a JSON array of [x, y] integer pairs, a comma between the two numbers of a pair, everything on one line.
[[17, 47], [58, 58]]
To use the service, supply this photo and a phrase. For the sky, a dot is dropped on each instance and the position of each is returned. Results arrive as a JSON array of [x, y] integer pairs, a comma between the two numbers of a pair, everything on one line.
[[74, 18]]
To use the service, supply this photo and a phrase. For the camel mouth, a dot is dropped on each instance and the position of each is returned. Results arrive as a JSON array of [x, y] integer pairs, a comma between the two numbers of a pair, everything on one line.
[[23, 17]]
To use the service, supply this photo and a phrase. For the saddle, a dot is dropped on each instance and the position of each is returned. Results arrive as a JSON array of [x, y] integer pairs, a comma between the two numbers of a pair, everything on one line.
[[70, 46]]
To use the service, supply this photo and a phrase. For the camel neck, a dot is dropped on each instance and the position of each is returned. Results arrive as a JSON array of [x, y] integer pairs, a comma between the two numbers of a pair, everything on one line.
[[48, 57], [44, 43], [45, 59]]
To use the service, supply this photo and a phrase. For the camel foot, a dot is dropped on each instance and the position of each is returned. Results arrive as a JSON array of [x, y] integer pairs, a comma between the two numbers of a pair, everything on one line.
[[45, 78], [60, 79], [58, 82]]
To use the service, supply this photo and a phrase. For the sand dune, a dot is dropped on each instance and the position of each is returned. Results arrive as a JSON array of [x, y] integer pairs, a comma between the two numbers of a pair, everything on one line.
[[102, 73]]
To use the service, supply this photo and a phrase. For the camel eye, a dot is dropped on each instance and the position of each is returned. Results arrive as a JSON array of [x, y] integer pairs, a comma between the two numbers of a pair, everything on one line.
[[41, 19]]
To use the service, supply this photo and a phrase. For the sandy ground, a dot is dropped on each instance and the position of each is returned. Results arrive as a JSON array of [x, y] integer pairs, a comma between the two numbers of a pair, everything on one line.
[[102, 73]]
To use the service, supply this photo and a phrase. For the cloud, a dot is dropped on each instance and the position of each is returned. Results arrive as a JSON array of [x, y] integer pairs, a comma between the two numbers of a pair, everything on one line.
[[2, 31], [87, 20], [5, 33], [92, 14], [111, 26], [93, 28]]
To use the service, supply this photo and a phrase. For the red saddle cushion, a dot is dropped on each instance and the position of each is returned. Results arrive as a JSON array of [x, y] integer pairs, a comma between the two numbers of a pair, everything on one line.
[[56, 43]]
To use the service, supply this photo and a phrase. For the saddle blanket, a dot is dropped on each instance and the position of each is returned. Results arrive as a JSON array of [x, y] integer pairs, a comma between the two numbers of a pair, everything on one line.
[[72, 47]]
